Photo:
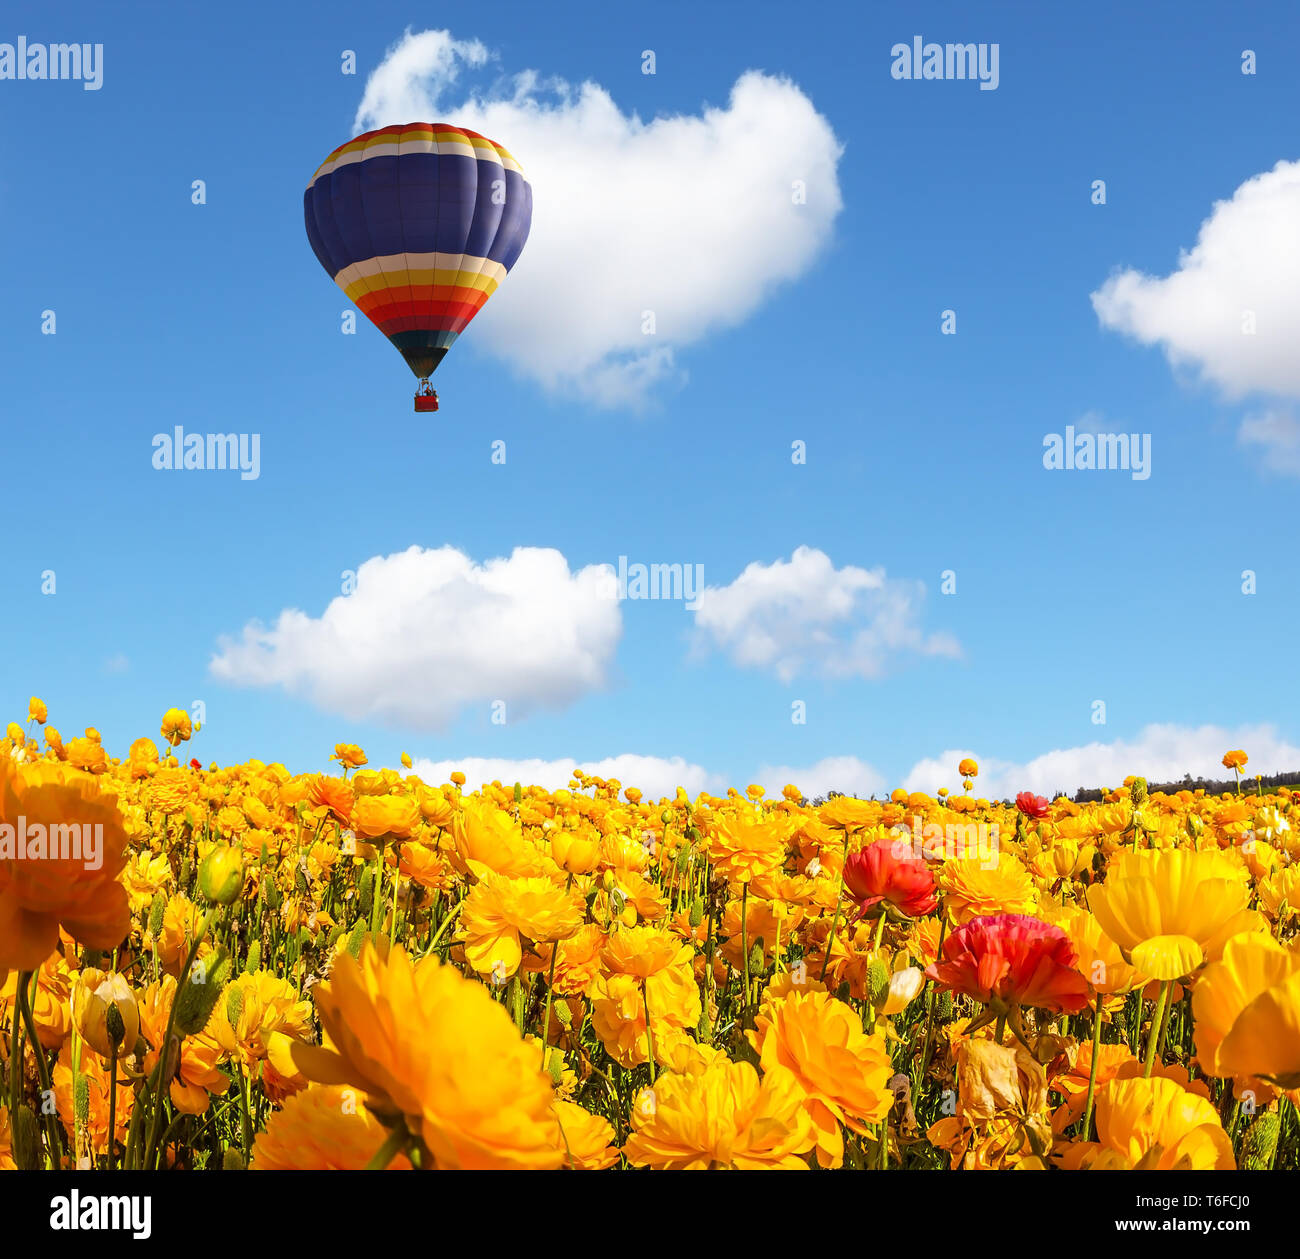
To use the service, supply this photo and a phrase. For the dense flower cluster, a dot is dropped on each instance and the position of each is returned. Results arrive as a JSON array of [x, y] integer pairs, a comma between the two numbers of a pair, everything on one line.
[[246, 967]]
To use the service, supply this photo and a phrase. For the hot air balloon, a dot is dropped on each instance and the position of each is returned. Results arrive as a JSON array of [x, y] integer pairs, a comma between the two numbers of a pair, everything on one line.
[[418, 224]]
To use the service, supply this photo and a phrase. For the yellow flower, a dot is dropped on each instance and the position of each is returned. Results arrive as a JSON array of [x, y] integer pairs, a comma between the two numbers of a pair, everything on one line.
[[37, 895], [176, 726], [720, 1116], [1170, 910], [970, 890], [500, 910], [324, 1128], [422, 1041], [842, 1074], [1234, 760], [1154, 1125], [1098, 958], [377, 816], [252, 1010], [618, 1013], [349, 755], [36, 711], [644, 951], [968, 768], [744, 850], [94, 994], [586, 1139]]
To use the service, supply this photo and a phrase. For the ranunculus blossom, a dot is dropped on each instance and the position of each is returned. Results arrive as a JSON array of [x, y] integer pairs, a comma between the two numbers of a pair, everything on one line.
[[879, 873], [1031, 805], [1010, 960]]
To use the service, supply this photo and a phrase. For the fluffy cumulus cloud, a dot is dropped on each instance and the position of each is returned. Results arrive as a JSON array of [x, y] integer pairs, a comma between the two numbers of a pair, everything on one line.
[[845, 774], [1276, 436], [427, 633], [1160, 753], [705, 214], [654, 775], [804, 615], [1230, 309]]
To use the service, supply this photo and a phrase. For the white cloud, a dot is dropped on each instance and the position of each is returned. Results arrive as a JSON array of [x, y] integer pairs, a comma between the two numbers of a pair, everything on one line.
[[1246, 259], [1160, 753], [693, 217], [805, 615], [655, 775], [845, 774], [1277, 435], [428, 632]]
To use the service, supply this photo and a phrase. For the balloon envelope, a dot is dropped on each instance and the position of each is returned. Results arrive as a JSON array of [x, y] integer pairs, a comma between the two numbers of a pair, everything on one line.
[[418, 224]]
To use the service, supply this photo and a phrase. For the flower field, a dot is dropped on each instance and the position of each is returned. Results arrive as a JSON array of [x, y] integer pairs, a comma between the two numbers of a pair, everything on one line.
[[242, 967]]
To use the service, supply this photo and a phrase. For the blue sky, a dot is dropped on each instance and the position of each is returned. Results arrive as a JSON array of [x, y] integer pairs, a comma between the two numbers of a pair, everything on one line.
[[924, 450]]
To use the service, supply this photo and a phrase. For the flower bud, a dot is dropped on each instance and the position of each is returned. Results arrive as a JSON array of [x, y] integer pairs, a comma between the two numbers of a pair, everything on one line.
[[1260, 1142], [1138, 791], [555, 1067], [519, 793], [757, 962], [156, 912], [81, 1101], [26, 1140], [221, 876], [199, 996], [697, 911], [357, 939], [104, 1010], [254, 961], [877, 982], [366, 891]]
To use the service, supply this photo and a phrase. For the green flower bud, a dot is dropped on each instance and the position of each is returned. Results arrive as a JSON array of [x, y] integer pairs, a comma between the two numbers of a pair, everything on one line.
[[357, 939], [80, 1101], [366, 891], [1260, 1142], [26, 1136], [697, 911], [156, 913], [221, 876], [683, 858], [336, 934], [666, 816], [757, 962], [183, 879], [944, 1008], [555, 1066], [519, 793], [300, 881], [199, 996], [254, 961], [1138, 791], [114, 1025], [877, 983], [234, 1004]]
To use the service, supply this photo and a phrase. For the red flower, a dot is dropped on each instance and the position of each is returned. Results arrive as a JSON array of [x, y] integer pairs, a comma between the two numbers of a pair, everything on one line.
[[881, 873], [1031, 805], [195, 763], [1009, 960]]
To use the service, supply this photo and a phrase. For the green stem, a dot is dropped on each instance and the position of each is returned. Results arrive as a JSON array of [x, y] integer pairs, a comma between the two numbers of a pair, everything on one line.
[[835, 921], [744, 949], [1157, 1023], [649, 1034], [550, 992], [23, 997], [112, 1101], [386, 1152], [1092, 1072]]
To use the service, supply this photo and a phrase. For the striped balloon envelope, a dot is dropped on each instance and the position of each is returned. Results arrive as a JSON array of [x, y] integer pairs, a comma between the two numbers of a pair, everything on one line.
[[418, 224]]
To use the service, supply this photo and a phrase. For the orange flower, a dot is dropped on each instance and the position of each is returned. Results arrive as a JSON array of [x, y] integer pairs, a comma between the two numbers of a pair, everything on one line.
[[422, 1041], [720, 1114], [324, 1128], [500, 912], [644, 951], [1154, 1125], [39, 894], [744, 850], [379, 816], [349, 755], [331, 794], [842, 1074], [586, 1139], [92, 1142], [176, 726]]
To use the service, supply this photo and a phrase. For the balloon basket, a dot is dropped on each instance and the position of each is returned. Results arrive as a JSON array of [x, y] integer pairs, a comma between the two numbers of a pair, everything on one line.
[[426, 401]]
